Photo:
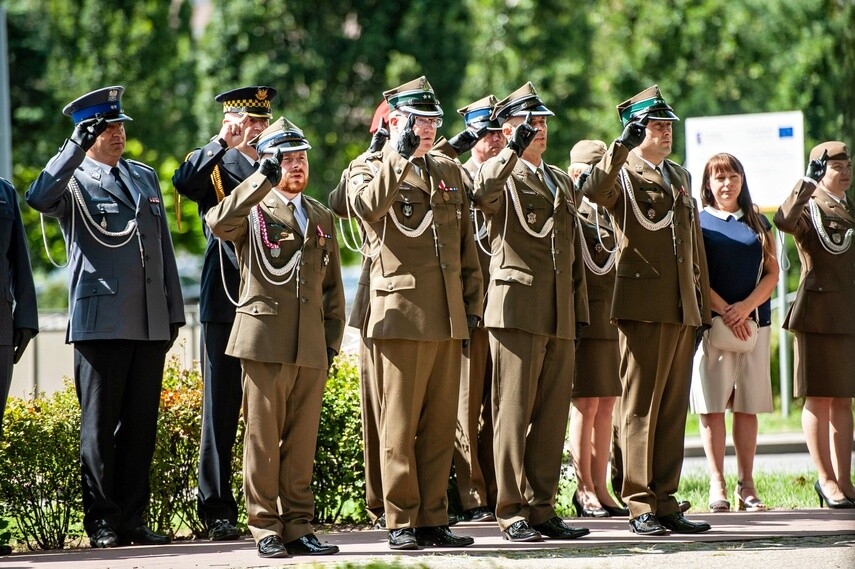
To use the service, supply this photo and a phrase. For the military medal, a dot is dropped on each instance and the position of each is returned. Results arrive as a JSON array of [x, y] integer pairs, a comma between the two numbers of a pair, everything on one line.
[[446, 197], [531, 218], [275, 251], [651, 213], [598, 248], [407, 209], [837, 238], [274, 248], [322, 237], [103, 222]]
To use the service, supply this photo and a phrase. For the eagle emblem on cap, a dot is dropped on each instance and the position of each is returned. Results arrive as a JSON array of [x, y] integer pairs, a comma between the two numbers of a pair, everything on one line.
[[113, 95], [261, 94]]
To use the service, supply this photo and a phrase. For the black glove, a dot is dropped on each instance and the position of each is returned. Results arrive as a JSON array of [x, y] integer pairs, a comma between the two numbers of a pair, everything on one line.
[[271, 168], [699, 335], [408, 141], [173, 335], [580, 181], [471, 323], [379, 138], [464, 140], [578, 339], [816, 167], [522, 136], [87, 131], [331, 354], [633, 134], [20, 339]]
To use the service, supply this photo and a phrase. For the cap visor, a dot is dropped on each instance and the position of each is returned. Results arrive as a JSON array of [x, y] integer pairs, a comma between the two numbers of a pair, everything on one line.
[[120, 118], [422, 110]]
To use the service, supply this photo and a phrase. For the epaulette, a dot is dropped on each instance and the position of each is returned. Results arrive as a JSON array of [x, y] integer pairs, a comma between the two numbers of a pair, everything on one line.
[[143, 166]]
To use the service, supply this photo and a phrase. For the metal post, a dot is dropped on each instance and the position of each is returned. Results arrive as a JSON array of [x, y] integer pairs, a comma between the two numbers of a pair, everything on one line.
[[783, 336]]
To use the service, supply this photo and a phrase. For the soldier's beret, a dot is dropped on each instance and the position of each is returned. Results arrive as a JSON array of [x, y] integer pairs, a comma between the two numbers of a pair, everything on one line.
[[836, 150], [105, 102], [587, 152], [380, 114], [254, 101]]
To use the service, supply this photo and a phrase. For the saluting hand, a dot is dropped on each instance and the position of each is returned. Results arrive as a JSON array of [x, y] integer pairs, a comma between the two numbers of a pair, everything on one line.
[[87, 131], [408, 141], [633, 134], [271, 167], [464, 140], [379, 138], [816, 167], [232, 131], [522, 135]]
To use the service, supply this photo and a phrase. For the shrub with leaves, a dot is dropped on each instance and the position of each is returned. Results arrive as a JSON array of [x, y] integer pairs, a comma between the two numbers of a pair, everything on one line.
[[40, 469]]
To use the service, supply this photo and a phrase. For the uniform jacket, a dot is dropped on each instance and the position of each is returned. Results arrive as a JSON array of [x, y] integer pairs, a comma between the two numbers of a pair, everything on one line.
[[193, 180], [654, 284], [481, 241], [16, 276], [127, 293], [421, 288], [825, 301], [600, 287], [278, 323], [338, 204], [530, 289]]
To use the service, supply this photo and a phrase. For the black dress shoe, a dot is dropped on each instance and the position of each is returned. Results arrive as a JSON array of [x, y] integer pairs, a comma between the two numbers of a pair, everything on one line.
[[380, 522], [103, 536], [616, 512], [309, 545], [441, 536], [222, 530], [647, 524], [272, 546], [522, 531], [403, 538], [454, 519], [678, 523], [555, 528], [141, 535], [583, 512], [480, 514]]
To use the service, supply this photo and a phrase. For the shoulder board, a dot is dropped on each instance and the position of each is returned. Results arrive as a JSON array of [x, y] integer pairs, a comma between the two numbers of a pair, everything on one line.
[[142, 166]]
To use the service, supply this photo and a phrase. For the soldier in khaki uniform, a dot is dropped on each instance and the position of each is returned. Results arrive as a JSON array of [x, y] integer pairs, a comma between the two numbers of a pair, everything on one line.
[[473, 445], [425, 290], [288, 328], [536, 303], [369, 390], [822, 220], [661, 303]]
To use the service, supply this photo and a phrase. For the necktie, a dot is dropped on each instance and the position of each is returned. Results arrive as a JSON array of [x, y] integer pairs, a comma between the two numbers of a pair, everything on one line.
[[543, 179], [117, 175], [292, 207], [422, 168]]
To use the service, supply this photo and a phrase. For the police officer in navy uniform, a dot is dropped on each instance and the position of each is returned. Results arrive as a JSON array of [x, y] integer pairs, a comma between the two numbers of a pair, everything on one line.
[[125, 308], [19, 318], [209, 174]]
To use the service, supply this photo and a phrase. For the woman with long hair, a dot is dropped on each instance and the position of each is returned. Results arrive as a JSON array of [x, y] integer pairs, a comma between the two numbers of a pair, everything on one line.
[[743, 272]]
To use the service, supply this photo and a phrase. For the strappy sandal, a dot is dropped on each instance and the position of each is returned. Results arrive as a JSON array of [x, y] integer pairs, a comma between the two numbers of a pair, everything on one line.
[[752, 503], [718, 506]]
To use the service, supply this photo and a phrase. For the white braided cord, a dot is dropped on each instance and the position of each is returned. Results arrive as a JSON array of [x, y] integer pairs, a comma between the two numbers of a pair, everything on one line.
[[824, 239]]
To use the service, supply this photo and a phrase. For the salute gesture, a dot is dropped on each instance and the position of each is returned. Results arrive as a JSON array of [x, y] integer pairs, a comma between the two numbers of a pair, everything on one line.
[[522, 136], [816, 167], [87, 131], [232, 131], [409, 141]]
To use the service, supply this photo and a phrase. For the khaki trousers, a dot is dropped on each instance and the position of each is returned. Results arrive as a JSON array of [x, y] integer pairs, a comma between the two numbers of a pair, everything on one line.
[[370, 394], [656, 372], [473, 444], [417, 417], [532, 380], [281, 409]]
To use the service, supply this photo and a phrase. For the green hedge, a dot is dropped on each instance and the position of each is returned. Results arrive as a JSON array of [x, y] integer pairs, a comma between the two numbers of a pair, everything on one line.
[[40, 472]]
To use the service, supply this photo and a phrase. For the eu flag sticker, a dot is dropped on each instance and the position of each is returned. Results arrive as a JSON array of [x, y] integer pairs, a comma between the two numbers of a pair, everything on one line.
[[785, 132]]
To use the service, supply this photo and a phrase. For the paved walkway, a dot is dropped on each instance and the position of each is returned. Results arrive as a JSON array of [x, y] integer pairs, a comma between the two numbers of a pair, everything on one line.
[[779, 539]]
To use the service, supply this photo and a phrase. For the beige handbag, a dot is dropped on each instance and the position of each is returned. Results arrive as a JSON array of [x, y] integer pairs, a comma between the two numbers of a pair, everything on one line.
[[721, 337]]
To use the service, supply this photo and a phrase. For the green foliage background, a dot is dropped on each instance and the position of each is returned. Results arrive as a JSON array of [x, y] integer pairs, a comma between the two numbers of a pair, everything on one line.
[[331, 60]]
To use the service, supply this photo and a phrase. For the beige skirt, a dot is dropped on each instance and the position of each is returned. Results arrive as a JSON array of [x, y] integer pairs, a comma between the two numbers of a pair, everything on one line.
[[597, 372], [824, 364], [744, 377]]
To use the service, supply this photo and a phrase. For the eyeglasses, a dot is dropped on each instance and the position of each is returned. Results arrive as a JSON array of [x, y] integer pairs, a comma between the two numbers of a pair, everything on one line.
[[428, 122]]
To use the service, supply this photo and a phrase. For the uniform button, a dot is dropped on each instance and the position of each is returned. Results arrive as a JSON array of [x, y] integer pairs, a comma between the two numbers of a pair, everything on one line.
[[558, 271], [94, 291], [502, 160], [439, 244], [679, 241], [637, 275], [302, 262], [302, 281], [444, 265], [255, 310], [254, 185], [397, 170], [819, 289], [389, 286], [304, 299], [210, 153], [679, 259], [148, 281]]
